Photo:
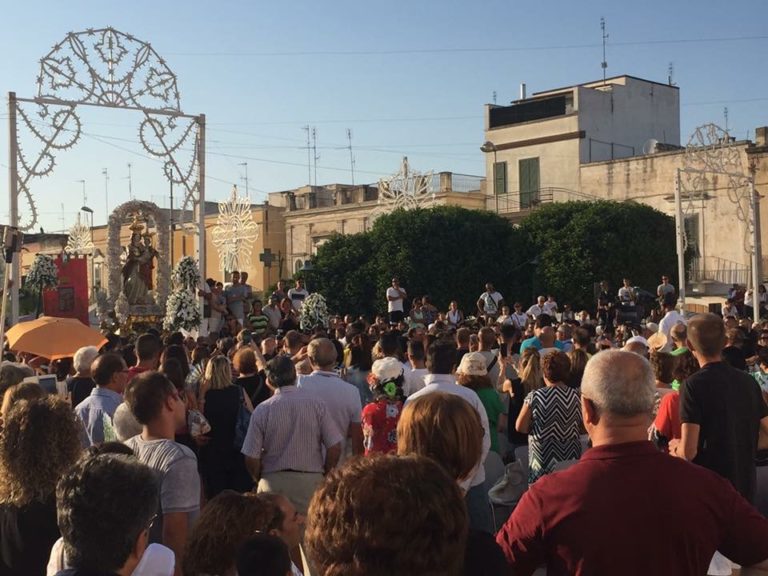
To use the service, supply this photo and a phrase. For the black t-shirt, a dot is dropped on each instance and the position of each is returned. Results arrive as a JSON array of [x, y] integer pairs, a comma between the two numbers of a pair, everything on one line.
[[255, 387], [515, 406], [221, 409], [727, 404], [27, 535], [80, 387]]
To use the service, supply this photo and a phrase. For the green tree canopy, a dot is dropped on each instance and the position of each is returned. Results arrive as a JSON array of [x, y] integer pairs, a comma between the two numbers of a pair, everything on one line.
[[450, 253], [447, 252], [580, 243]]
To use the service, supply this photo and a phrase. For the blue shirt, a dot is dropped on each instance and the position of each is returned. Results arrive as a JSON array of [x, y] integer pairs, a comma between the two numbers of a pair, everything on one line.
[[100, 403], [536, 343]]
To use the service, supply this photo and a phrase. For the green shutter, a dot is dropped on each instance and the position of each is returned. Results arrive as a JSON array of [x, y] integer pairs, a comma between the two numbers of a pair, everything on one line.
[[529, 181], [500, 178]]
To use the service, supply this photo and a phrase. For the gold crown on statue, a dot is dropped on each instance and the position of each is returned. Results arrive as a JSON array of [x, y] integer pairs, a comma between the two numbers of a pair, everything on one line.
[[136, 225]]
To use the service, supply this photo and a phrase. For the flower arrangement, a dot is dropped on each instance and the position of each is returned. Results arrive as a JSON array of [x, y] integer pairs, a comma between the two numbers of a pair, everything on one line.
[[182, 310], [314, 312], [186, 274], [43, 274]]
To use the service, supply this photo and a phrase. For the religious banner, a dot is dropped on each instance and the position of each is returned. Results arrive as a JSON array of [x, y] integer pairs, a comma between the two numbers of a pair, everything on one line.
[[70, 299]]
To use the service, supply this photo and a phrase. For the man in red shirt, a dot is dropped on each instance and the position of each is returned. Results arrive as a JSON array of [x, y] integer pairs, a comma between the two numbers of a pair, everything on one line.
[[148, 349], [626, 508]]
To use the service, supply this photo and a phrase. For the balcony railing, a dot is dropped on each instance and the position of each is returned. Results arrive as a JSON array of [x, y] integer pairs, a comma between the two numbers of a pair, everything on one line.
[[525, 201], [720, 270]]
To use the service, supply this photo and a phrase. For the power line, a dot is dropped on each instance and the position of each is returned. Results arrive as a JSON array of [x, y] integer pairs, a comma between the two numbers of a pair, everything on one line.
[[406, 51]]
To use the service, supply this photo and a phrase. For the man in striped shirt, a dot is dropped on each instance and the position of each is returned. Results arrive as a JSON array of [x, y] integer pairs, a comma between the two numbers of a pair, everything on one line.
[[291, 440]]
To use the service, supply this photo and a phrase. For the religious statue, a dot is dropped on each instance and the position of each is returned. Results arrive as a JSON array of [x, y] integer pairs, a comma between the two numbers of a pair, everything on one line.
[[137, 271]]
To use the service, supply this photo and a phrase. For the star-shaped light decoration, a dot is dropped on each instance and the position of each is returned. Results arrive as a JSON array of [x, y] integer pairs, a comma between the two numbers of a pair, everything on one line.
[[407, 189], [235, 232], [79, 240]]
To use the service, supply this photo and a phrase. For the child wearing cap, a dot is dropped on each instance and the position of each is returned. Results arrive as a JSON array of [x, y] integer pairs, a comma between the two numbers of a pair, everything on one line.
[[380, 417]]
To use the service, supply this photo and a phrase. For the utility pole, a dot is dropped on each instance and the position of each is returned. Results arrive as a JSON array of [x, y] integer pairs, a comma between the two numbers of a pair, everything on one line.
[[351, 156], [314, 151], [85, 198], [106, 191], [171, 220], [247, 192], [309, 161]]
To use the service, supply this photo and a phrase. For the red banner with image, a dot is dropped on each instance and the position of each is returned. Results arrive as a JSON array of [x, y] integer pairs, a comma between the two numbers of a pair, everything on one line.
[[70, 299]]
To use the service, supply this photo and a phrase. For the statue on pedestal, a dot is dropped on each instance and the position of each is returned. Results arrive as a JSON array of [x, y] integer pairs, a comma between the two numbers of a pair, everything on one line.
[[137, 271]]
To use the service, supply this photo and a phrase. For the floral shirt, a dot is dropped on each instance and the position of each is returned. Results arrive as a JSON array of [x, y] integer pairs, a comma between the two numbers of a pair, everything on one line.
[[379, 422]]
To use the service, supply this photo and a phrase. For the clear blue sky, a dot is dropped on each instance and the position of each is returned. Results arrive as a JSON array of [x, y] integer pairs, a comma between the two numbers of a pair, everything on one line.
[[408, 78]]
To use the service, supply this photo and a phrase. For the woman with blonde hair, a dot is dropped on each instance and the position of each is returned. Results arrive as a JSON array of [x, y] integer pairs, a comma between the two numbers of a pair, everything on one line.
[[530, 378], [39, 443], [221, 464]]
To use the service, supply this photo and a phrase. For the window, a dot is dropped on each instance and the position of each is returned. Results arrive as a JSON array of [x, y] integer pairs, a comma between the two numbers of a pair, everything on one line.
[[529, 182], [692, 235], [298, 265], [500, 178]]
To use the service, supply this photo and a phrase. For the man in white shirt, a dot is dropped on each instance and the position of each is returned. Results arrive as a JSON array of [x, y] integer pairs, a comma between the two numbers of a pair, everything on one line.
[[550, 306], [417, 371], [538, 308], [519, 318], [441, 363], [395, 298], [342, 398], [671, 317], [627, 293], [298, 294], [489, 303]]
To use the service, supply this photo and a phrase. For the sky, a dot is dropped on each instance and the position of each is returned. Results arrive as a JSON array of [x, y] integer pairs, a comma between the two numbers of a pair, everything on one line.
[[407, 78]]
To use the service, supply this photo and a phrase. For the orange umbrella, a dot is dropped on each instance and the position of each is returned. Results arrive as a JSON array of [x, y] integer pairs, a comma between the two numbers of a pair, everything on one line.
[[52, 337]]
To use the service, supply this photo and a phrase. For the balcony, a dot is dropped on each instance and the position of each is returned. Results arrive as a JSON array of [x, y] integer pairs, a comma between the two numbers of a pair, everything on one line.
[[521, 203]]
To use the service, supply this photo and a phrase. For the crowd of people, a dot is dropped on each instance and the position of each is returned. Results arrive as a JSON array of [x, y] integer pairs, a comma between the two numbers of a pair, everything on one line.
[[624, 439]]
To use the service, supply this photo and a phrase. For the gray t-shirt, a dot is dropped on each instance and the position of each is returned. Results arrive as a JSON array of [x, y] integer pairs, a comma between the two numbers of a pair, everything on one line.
[[237, 307], [176, 468]]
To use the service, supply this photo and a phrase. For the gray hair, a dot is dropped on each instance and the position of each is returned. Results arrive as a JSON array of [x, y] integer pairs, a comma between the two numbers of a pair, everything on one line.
[[281, 371], [84, 357], [620, 383]]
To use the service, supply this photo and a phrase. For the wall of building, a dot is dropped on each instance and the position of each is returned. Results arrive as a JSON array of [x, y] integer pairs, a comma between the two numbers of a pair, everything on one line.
[[626, 112], [558, 158], [651, 180]]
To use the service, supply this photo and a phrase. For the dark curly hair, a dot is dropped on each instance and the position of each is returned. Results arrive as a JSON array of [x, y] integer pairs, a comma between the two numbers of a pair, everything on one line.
[[224, 524], [39, 443]]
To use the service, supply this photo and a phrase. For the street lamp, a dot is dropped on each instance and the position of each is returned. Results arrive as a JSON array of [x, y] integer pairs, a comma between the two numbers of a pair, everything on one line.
[[487, 147], [88, 210], [306, 270]]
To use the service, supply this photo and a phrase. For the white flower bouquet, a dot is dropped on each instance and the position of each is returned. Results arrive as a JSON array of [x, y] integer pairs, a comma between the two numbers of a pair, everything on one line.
[[186, 274], [182, 311], [314, 312], [43, 273]]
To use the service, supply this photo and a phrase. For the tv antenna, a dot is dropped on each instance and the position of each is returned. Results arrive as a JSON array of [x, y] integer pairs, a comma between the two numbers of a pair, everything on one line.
[[725, 115], [604, 63], [314, 151], [671, 73], [494, 96], [309, 161], [351, 156]]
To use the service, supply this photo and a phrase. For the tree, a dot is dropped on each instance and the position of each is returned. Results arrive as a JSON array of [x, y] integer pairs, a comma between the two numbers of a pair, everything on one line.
[[579, 243], [447, 252]]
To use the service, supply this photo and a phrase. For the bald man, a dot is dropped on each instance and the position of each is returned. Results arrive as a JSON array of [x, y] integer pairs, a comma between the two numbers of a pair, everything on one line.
[[625, 507], [342, 398]]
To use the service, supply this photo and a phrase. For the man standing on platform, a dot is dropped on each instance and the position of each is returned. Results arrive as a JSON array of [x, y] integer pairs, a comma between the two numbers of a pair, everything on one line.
[[235, 294], [396, 295]]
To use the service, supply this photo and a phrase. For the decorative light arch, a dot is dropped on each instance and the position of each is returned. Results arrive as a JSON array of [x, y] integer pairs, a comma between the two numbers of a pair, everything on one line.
[[407, 189], [104, 68]]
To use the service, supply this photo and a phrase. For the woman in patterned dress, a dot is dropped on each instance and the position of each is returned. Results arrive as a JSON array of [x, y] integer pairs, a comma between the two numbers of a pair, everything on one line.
[[380, 417], [552, 418]]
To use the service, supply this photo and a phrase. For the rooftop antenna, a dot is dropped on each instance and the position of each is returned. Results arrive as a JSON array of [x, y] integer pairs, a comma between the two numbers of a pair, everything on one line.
[[105, 172], [671, 73], [309, 161], [314, 151], [604, 63], [351, 156], [494, 96], [725, 115], [64, 219], [247, 192], [130, 182]]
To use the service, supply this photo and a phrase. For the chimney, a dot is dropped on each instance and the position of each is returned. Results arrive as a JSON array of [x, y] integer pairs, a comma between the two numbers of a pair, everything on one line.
[[522, 91], [761, 136]]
